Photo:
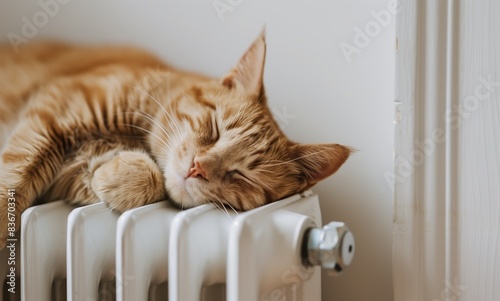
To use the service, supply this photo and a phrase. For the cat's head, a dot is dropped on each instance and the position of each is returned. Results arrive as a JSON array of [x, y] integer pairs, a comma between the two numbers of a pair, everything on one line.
[[225, 146]]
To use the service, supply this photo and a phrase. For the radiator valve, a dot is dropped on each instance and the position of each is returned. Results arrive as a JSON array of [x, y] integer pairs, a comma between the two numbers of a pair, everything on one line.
[[331, 247]]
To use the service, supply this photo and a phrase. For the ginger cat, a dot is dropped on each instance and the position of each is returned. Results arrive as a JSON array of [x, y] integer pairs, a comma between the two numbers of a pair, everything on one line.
[[90, 124]]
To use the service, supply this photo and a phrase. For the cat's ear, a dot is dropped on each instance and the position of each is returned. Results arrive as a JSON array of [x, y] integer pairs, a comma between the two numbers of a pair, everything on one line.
[[249, 71], [319, 161]]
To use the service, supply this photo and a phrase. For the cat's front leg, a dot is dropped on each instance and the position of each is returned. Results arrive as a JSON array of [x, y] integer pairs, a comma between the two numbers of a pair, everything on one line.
[[128, 180], [28, 164]]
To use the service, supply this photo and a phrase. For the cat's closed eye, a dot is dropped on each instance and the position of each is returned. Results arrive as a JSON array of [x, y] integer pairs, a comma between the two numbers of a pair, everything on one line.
[[232, 174]]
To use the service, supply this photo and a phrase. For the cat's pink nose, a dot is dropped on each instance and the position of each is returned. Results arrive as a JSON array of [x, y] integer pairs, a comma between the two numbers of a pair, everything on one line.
[[196, 170]]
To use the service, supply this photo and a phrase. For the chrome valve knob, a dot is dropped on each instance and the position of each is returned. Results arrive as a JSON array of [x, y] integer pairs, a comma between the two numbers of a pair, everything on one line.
[[331, 247]]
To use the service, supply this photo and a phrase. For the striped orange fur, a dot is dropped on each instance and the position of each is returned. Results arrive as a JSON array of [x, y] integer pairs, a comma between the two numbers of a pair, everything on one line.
[[116, 124]]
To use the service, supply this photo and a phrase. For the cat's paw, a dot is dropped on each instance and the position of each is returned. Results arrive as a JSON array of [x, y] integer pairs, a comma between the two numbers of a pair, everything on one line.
[[128, 180]]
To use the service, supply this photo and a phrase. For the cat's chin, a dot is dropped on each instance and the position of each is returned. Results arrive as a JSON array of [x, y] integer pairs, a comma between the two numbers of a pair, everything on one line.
[[185, 193], [185, 201]]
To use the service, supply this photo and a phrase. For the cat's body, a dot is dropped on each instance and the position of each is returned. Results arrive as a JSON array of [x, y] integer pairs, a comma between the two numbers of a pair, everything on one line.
[[118, 125]]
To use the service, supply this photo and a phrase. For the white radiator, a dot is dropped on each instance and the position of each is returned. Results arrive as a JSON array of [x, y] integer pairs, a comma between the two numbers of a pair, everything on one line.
[[159, 253]]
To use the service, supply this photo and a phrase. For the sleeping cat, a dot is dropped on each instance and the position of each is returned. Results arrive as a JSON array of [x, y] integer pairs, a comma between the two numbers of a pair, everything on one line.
[[117, 125]]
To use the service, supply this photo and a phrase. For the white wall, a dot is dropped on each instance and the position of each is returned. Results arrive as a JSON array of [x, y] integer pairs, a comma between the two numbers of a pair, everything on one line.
[[306, 76], [446, 226]]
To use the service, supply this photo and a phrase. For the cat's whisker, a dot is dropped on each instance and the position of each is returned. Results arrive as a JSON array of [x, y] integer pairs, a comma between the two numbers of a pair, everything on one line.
[[148, 118], [169, 97], [225, 210], [163, 108], [161, 155], [154, 153], [237, 213], [151, 133], [153, 122], [216, 206], [162, 139], [165, 139], [169, 119], [224, 207], [165, 112]]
